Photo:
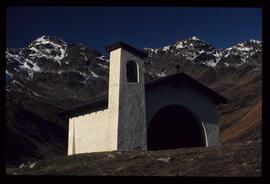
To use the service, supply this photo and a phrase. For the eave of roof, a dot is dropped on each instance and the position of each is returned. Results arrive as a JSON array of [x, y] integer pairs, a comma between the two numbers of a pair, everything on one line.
[[127, 47], [94, 105]]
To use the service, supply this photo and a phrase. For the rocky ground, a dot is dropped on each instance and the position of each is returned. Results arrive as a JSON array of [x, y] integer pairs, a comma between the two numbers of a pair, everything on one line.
[[234, 159]]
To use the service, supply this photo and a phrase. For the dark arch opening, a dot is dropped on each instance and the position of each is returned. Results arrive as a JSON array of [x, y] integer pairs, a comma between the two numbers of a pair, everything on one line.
[[132, 75], [174, 127]]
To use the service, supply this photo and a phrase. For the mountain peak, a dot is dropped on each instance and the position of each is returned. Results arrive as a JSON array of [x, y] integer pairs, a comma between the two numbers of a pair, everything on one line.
[[48, 47], [194, 38], [43, 40], [248, 45], [255, 41]]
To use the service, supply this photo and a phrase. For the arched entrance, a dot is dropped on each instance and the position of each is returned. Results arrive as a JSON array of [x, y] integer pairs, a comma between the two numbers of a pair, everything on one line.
[[173, 127]]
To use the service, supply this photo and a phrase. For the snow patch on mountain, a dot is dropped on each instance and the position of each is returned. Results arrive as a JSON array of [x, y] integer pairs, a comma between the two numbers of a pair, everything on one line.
[[9, 74], [34, 65], [210, 63], [195, 38], [94, 75], [161, 74], [166, 48], [255, 41], [179, 45], [13, 56], [36, 94], [44, 46], [103, 66], [16, 82], [46, 40]]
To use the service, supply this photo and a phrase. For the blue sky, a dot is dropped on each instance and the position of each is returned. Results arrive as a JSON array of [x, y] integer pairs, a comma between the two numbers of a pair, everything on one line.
[[98, 27]]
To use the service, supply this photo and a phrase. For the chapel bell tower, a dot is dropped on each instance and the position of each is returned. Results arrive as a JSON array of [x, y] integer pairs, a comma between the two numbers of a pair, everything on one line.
[[126, 104]]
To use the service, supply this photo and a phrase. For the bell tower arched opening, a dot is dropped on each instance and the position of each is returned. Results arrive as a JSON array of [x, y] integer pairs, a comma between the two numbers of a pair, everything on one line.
[[132, 71]]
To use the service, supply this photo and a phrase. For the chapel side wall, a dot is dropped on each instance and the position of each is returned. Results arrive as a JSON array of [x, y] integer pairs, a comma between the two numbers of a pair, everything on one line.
[[89, 133], [188, 97]]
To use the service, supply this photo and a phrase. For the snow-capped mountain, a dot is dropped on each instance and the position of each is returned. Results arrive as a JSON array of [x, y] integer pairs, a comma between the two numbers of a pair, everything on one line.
[[50, 75], [49, 68], [197, 52]]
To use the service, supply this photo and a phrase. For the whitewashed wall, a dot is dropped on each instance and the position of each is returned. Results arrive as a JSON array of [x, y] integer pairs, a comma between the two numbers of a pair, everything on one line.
[[90, 133]]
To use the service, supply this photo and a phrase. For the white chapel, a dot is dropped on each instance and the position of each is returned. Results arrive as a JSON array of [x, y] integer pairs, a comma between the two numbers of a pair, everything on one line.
[[172, 112]]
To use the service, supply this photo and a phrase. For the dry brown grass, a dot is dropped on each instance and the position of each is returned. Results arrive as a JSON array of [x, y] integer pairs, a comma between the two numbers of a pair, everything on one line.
[[241, 122]]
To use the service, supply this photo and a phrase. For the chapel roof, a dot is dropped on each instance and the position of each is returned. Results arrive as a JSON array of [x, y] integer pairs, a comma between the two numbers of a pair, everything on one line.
[[127, 47], [182, 78], [96, 104], [176, 80]]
